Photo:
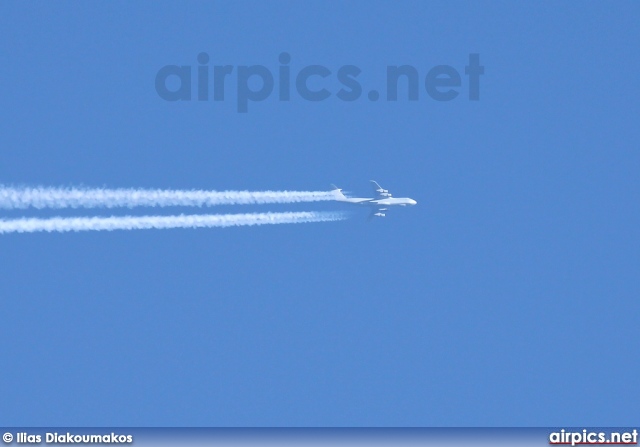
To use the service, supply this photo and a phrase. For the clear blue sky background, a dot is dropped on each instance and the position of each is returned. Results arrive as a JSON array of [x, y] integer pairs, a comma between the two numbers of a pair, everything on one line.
[[507, 297]]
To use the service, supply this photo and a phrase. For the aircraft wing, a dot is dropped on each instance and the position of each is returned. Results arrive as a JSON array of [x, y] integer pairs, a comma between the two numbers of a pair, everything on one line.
[[377, 211], [379, 191]]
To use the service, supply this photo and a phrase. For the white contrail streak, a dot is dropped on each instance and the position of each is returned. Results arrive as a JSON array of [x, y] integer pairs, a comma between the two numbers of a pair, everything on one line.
[[41, 197], [64, 224]]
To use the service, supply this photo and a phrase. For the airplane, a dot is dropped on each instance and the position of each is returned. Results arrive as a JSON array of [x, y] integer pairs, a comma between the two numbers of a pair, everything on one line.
[[380, 204]]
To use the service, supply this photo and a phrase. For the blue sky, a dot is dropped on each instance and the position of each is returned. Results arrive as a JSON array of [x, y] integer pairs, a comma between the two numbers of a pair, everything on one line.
[[507, 297]]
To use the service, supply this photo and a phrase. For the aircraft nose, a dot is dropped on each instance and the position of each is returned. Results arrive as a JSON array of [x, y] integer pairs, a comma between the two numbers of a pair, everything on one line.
[[413, 202]]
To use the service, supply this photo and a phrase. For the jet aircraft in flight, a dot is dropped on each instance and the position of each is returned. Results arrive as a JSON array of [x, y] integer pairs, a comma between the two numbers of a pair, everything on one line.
[[379, 204]]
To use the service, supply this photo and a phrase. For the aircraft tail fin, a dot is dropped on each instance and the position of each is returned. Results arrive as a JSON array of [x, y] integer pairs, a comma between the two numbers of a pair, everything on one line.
[[337, 192]]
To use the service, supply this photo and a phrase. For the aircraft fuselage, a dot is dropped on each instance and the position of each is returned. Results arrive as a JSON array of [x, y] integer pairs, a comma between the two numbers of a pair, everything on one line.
[[401, 201]]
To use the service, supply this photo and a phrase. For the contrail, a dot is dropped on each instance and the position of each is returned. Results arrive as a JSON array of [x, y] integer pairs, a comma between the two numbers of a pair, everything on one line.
[[41, 197], [64, 224]]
